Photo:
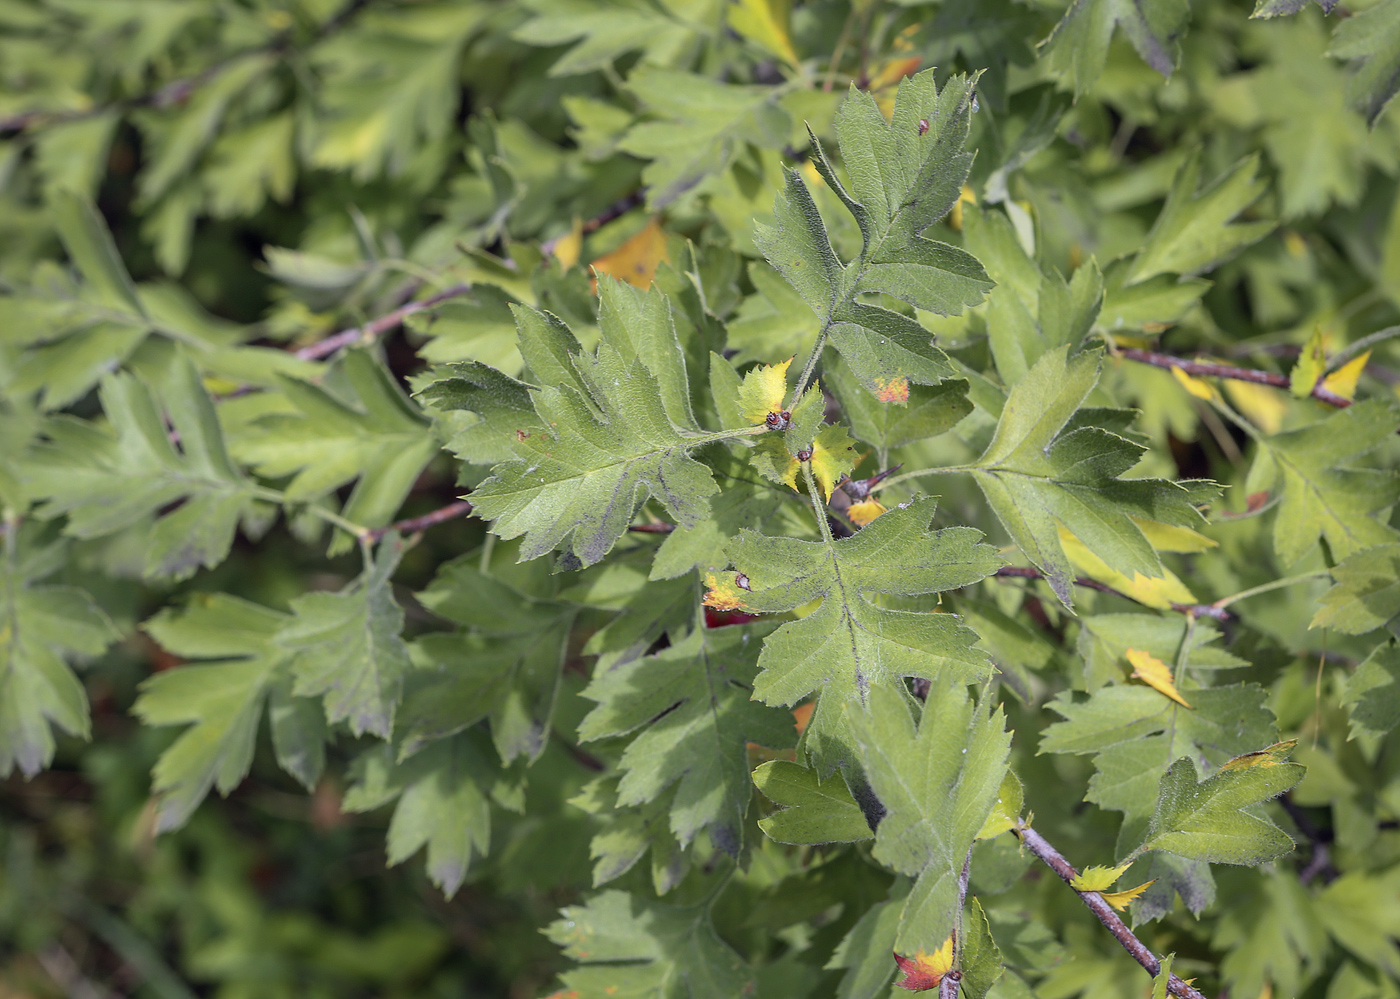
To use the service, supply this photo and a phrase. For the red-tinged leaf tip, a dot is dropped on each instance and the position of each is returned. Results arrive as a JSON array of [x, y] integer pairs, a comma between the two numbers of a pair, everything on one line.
[[893, 389], [924, 971]]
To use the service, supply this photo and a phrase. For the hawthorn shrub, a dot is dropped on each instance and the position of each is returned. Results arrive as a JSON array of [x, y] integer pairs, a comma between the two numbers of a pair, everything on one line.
[[725, 498]]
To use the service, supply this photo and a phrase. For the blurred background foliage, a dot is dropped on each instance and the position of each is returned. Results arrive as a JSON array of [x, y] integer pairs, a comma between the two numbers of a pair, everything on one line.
[[273, 171]]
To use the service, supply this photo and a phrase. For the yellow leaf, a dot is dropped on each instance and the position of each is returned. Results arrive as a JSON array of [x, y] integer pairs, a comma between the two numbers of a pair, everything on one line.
[[1200, 389], [567, 248], [1120, 899], [865, 511], [955, 216], [1006, 813], [1159, 592], [1170, 538], [765, 23], [763, 391], [1153, 672], [1343, 380], [1310, 366], [1265, 405], [924, 971], [723, 591], [832, 457], [1271, 756], [1098, 878], [636, 260]]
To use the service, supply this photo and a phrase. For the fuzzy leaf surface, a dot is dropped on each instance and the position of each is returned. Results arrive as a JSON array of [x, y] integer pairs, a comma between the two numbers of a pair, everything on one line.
[[691, 709], [1041, 470], [346, 647], [937, 784], [619, 429], [852, 644]]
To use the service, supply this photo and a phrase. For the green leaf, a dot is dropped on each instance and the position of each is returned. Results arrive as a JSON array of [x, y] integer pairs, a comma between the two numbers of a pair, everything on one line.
[[1269, 932], [441, 805], [811, 810], [1367, 592], [1078, 47], [701, 126], [1211, 820], [1360, 912], [630, 947], [480, 410], [41, 627], [1028, 312], [865, 951], [506, 667], [1321, 497], [1373, 692], [929, 411], [628, 833], [90, 247], [937, 786], [1105, 639], [221, 700], [1135, 733], [366, 431], [690, 709], [619, 430], [855, 642], [1371, 40], [108, 479], [902, 180], [388, 93], [1042, 470], [345, 647], [981, 960], [1195, 231], [604, 32]]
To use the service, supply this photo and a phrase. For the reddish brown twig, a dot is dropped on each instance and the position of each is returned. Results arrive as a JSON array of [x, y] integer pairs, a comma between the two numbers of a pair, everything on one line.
[[661, 528], [1110, 919], [415, 524], [1196, 610], [376, 328], [1201, 369]]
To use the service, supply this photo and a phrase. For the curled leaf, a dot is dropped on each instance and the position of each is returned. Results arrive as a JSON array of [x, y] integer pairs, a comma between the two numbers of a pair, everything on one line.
[[865, 511], [1343, 380], [924, 971], [1155, 673], [1120, 899]]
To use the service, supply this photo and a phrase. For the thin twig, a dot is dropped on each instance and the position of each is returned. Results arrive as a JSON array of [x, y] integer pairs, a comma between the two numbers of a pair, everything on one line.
[[1196, 610], [376, 328], [1201, 369], [415, 524], [1110, 919], [658, 528]]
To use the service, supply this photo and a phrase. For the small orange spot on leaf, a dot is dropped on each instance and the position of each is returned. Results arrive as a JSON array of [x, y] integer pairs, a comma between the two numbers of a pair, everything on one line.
[[893, 390]]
